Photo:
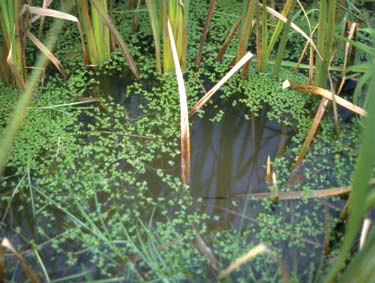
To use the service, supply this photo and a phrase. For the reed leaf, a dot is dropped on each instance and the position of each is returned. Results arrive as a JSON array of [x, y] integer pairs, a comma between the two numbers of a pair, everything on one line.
[[293, 26], [58, 15], [21, 108], [184, 114], [120, 42], [48, 53], [360, 183], [326, 94], [215, 88], [204, 33], [228, 39], [152, 9], [13, 64]]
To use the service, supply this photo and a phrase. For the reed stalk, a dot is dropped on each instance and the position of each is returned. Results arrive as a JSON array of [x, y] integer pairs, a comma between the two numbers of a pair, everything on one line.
[[360, 184], [19, 113], [12, 55], [97, 33], [177, 11]]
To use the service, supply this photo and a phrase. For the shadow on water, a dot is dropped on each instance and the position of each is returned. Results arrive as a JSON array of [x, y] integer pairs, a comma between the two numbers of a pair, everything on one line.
[[229, 157]]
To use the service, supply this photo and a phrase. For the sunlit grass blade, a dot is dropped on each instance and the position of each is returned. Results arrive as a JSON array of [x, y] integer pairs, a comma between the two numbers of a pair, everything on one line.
[[215, 88], [204, 33], [326, 94], [288, 8], [184, 113], [251, 254]]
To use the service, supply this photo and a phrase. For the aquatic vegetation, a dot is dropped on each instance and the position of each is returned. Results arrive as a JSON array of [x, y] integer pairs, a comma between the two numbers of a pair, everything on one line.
[[92, 187]]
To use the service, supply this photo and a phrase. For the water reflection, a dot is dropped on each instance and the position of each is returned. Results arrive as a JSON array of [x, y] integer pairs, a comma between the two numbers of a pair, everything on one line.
[[229, 157]]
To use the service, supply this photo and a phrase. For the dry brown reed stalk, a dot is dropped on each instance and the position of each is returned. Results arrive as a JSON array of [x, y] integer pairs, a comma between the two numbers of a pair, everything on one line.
[[268, 170], [212, 91], [206, 251], [26, 267], [228, 39], [204, 33], [293, 26], [294, 195], [326, 231], [326, 94], [48, 53], [251, 254], [43, 12], [353, 28], [184, 113]]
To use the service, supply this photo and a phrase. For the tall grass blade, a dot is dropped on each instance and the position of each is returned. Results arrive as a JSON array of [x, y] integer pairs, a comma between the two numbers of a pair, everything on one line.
[[83, 12], [360, 183], [13, 63], [288, 7], [264, 45], [245, 30], [184, 113], [279, 56]]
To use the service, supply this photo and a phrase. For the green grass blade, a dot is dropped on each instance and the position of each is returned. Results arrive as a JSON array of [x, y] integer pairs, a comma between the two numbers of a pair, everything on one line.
[[154, 21], [361, 177]]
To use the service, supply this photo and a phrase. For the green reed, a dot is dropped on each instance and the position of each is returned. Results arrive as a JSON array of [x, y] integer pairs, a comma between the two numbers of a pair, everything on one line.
[[97, 33], [12, 59], [178, 14]]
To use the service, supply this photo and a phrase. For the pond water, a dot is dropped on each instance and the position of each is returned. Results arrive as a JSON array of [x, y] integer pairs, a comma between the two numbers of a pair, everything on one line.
[[228, 162], [229, 157]]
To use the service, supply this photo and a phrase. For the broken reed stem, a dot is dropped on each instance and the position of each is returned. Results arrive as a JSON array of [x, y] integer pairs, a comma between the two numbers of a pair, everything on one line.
[[216, 87], [326, 94]]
